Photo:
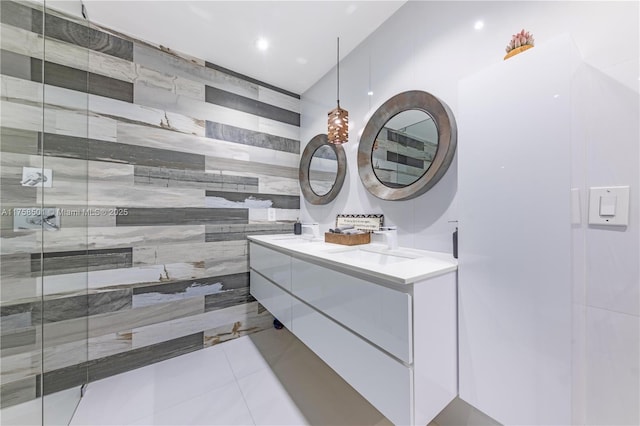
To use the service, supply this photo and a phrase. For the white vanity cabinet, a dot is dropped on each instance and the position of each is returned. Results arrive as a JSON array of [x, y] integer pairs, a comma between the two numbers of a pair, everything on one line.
[[393, 343], [379, 314], [272, 264]]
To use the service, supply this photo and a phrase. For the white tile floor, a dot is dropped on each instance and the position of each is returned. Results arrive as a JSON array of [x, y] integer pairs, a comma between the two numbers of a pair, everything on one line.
[[268, 378]]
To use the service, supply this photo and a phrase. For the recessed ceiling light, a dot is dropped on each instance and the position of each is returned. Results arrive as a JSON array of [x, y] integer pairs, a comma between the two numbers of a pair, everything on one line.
[[370, 93], [301, 60], [352, 8], [478, 25], [262, 44]]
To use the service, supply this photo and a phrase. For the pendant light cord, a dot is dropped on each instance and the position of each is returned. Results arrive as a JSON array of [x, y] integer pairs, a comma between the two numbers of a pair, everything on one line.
[[338, 72]]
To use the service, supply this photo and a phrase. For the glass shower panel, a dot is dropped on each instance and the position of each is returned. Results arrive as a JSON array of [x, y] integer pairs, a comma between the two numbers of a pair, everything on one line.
[[43, 179], [64, 257], [21, 124]]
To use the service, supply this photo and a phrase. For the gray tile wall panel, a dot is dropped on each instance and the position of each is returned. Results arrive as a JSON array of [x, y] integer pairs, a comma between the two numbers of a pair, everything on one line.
[[20, 141], [226, 99], [18, 338], [81, 35], [227, 281], [239, 232], [13, 393], [144, 175], [13, 321], [16, 14], [68, 377], [170, 64], [148, 295], [238, 236], [17, 195], [14, 265], [253, 80], [227, 164], [230, 133], [6, 310], [91, 304], [181, 216], [91, 149], [81, 261], [277, 201], [15, 65], [226, 299], [65, 308], [79, 80]]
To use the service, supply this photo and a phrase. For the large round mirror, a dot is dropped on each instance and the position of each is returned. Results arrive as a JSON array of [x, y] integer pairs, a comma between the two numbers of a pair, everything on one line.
[[323, 167], [404, 148], [407, 146]]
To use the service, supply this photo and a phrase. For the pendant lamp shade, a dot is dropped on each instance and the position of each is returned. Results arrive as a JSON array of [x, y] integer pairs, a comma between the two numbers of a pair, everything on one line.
[[338, 118]]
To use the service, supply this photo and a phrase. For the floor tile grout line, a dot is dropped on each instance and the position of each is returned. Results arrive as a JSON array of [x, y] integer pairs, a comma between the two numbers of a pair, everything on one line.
[[244, 399], [155, 366], [179, 359], [197, 396]]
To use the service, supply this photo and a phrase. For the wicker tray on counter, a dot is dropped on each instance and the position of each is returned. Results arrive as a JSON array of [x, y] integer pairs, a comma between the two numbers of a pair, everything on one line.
[[347, 240]]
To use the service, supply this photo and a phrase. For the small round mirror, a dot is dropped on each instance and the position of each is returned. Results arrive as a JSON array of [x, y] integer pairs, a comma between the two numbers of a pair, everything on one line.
[[404, 148], [323, 167], [323, 170]]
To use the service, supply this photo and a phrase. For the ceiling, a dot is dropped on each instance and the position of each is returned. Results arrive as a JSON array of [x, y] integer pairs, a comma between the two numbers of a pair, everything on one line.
[[301, 34]]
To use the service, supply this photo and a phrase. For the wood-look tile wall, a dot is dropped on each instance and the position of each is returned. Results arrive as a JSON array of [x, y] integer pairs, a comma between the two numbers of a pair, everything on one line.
[[195, 155]]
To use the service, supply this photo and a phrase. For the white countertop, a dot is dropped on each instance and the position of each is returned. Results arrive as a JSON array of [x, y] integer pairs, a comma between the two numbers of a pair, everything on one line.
[[398, 266]]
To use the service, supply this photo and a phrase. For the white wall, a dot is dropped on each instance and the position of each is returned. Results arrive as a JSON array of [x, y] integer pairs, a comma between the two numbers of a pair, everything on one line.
[[431, 46], [606, 259]]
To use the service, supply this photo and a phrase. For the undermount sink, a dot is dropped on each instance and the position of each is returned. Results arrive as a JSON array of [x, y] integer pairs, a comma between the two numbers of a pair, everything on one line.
[[296, 239], [372, 256], [287, 237]]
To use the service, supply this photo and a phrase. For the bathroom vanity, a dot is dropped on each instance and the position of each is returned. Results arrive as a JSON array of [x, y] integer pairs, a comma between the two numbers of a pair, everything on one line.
[[384, 320]]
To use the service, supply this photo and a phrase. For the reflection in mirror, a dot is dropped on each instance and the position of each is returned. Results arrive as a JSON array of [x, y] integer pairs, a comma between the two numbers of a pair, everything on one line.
[[404, 148], [323, 170]]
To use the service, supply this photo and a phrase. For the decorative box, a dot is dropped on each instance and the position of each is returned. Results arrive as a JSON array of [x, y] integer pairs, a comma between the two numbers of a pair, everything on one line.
[[346, 239]]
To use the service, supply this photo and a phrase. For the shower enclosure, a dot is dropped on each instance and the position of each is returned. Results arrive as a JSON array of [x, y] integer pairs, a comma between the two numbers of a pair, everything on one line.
[[44, 204]]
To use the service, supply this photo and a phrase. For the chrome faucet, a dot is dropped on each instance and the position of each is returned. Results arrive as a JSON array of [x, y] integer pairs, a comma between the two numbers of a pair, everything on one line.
[[313, 227], [390, 234]]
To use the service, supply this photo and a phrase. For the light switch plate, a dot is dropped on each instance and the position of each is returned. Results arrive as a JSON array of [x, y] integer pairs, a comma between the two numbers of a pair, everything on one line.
[[600, 195]]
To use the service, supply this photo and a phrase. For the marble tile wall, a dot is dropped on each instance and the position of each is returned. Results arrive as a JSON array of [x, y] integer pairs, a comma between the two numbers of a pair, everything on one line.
[[180, 159]]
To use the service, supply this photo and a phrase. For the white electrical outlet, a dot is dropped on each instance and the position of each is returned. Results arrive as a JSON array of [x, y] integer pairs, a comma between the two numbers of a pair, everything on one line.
[[271, 215]]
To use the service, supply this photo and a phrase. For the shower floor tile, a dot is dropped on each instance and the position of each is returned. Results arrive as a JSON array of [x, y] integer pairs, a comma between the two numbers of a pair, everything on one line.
[[268, 378]]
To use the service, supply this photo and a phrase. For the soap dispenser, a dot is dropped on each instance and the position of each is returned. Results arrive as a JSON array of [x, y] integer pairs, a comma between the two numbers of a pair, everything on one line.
[[455, 240], [455, 243], [297, 227]]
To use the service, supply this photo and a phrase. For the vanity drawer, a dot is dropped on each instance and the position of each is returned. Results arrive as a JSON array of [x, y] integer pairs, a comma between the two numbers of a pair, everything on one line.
[[276, 300], [272, 264], [383, 381], [377, 313]]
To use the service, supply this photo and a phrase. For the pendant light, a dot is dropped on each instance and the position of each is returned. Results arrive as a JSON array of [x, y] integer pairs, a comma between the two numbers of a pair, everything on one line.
[[338, 122]]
